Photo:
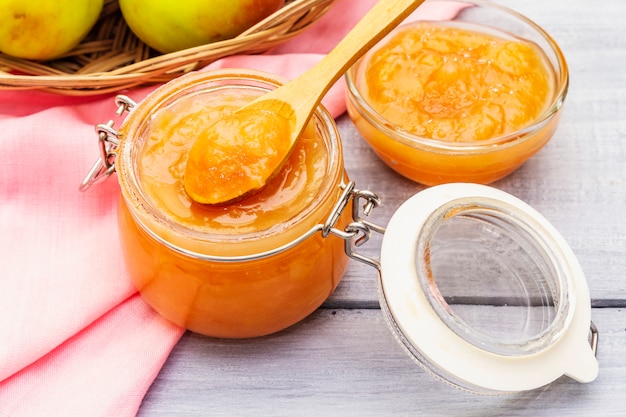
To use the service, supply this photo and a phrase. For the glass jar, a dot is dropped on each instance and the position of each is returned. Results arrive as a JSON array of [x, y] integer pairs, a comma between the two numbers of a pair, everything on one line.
[[229, 281], [478, 288]]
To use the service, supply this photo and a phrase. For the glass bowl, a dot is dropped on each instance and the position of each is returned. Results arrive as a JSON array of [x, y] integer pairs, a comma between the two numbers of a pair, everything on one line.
[[434, 161]]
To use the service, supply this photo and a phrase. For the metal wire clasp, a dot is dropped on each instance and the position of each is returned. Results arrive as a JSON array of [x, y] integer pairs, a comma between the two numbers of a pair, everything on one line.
[[359, 230], [594, 337], [108, 142]]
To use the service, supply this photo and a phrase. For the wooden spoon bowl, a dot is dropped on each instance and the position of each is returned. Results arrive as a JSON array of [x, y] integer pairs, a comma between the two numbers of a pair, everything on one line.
[[239, 154]]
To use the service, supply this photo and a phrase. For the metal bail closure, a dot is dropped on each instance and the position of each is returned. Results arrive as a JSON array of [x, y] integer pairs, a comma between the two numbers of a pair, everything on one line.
[[484, 293], [107, 143]]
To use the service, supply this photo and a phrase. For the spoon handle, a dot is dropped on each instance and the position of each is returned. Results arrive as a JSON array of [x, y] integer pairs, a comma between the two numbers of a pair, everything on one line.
[[384, 16]]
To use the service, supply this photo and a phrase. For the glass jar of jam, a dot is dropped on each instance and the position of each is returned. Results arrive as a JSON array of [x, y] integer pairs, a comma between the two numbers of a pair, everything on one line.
[[454, 257], [246, 269]]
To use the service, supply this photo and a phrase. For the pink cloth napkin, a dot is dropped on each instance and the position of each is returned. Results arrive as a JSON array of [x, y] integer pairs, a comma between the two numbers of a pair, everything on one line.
[[75, 337]]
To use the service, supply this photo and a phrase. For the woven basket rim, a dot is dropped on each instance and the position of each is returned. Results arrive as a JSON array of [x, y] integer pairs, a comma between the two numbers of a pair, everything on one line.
[[20, 74]]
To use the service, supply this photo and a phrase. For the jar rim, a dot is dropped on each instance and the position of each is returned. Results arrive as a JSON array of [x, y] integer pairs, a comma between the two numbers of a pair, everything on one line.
[[487, 212], [144, 211], [560, 72]]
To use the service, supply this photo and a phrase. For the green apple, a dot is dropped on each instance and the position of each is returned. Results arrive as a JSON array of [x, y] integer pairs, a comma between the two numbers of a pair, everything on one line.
[[169, 26], [45, 29]]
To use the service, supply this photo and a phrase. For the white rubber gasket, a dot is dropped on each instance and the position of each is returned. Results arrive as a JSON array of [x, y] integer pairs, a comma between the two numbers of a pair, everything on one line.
[[420, 326]]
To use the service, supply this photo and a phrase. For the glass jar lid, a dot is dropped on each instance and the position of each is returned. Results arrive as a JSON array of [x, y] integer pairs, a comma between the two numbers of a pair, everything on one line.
[[483, 292]]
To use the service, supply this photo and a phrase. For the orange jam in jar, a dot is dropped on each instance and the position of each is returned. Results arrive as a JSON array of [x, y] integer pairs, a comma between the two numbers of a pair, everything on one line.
[[245, 269], [459, 100], [454, 84]]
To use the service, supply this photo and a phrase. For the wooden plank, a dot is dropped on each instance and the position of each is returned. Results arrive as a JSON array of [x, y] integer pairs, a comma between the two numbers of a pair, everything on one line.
[[346, 362]]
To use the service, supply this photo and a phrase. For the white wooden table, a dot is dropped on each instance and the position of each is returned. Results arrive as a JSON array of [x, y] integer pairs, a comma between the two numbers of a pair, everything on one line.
[[343, 361]]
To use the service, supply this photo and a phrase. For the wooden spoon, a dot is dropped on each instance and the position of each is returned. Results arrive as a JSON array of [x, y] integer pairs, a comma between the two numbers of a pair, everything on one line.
[[239, 153]]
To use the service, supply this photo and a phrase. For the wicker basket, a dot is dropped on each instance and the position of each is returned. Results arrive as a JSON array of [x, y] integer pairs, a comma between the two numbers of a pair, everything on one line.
[[111, 58]]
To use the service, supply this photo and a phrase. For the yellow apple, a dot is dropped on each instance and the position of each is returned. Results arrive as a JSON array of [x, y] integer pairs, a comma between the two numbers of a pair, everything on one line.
[[45, 29], [169, 26]]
